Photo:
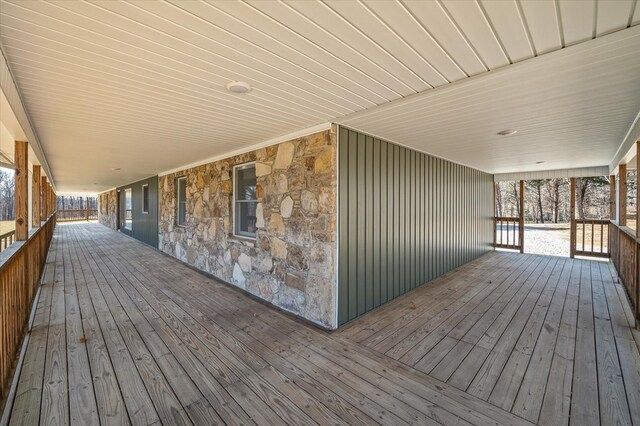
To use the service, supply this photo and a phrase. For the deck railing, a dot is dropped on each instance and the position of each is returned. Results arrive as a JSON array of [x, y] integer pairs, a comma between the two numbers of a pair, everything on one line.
[[77, 215], [21, 266], [625, 249], [592, 237], [7, 239], [508, 232]]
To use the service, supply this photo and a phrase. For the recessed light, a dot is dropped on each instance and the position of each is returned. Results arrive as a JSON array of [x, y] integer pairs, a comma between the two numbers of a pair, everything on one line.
[[507, 132], [539, 162], [238, 87], [115, 168]]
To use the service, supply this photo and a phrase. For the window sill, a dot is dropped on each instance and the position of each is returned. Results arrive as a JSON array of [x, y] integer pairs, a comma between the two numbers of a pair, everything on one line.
[[244, 240]]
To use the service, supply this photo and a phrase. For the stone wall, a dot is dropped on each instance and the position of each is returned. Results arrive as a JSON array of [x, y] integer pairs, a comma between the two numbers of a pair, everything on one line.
[[292, 262], [107, 206]]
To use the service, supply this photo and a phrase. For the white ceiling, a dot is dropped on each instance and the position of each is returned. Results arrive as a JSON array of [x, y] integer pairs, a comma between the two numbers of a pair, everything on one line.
[[140, 85]]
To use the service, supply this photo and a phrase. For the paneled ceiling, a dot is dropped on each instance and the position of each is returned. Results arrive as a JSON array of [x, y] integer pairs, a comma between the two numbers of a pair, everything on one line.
[[140, 85]]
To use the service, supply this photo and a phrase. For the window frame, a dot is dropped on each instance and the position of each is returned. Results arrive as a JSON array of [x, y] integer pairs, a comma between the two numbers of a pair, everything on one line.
[[128, 193], [234, 201], [146, 185], [178, 201]]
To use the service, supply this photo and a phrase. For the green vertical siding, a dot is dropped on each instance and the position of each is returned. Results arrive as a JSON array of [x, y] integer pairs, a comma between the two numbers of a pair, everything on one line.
[[405, 218], [144, 226]]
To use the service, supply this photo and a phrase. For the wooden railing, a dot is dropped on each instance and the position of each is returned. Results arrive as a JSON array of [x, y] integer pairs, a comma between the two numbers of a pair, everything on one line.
[[625, 249], [7, 239], [508, 232], [592, 237], [77, 215], [21, 266]]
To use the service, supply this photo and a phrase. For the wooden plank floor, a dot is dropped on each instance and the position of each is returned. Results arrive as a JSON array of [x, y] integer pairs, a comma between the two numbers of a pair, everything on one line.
[[548, 339], [125, 335]]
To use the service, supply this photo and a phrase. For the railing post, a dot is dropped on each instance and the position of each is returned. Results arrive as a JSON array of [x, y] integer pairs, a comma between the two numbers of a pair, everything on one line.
[[495, 215], [612, 197], [572, 216], [521, 221], [22, 190], [86, 208]]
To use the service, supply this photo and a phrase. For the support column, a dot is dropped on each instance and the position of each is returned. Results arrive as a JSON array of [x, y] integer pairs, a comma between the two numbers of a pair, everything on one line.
[[22, 190], [35, 194], [572, 217], [622, 195], [43, 199], [612, 197], [521, 221]]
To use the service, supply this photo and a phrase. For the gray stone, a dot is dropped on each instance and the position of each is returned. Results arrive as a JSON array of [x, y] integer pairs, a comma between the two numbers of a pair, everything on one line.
[[286, 207], [296, 258], [309, 202], [238, 276], [245, 262], [284, 156], [321, 260]]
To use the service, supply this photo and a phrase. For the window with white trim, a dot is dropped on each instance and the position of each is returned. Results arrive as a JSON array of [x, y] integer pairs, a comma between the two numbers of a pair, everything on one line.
[[245, 200], [145, 198], [181, 196]]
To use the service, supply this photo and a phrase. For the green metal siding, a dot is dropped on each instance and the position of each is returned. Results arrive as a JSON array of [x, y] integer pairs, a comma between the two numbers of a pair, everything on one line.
[[404, 219], [144, 226]]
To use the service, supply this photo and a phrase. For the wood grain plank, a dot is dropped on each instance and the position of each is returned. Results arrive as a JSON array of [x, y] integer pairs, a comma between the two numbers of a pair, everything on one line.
[[585, 408]]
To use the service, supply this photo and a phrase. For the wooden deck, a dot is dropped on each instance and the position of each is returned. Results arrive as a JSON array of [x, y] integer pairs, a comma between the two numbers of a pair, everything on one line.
[[125, 335]]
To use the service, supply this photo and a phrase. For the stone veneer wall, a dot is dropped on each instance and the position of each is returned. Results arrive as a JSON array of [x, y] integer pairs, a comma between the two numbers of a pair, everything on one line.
[[292, 262], [107, 205]]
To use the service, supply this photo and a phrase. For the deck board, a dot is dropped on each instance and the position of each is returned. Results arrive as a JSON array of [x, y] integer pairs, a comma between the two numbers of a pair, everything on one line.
[[137, 337]]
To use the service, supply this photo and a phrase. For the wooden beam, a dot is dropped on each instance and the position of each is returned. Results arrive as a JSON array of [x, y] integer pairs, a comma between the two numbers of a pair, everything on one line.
[[572, 217], [622, 195], [22, 190], [35, 195], [612, 197], [521, 221]]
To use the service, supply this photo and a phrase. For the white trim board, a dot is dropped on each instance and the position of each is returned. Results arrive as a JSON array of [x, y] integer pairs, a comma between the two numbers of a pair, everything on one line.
[[550, 174]]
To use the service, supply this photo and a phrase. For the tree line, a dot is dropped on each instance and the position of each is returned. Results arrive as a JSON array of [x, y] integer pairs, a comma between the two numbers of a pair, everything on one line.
[[548, 200], [8, 198]]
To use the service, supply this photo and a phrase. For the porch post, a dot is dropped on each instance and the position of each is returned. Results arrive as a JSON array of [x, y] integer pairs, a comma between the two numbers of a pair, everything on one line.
[[572, 216], [612, 197], [22, 190], [622, 195], [35, 193], [43, 194], [637, 192], [521, 222]]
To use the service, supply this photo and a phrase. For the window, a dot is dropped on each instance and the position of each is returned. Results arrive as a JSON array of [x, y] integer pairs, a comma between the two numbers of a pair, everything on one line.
[[181, 189], [128, 217], [244, 200], [145, 198]]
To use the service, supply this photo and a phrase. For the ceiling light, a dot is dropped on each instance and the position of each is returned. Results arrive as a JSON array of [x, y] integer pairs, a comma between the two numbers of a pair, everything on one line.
[[115, 168], [238, 87], [507, 132]]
